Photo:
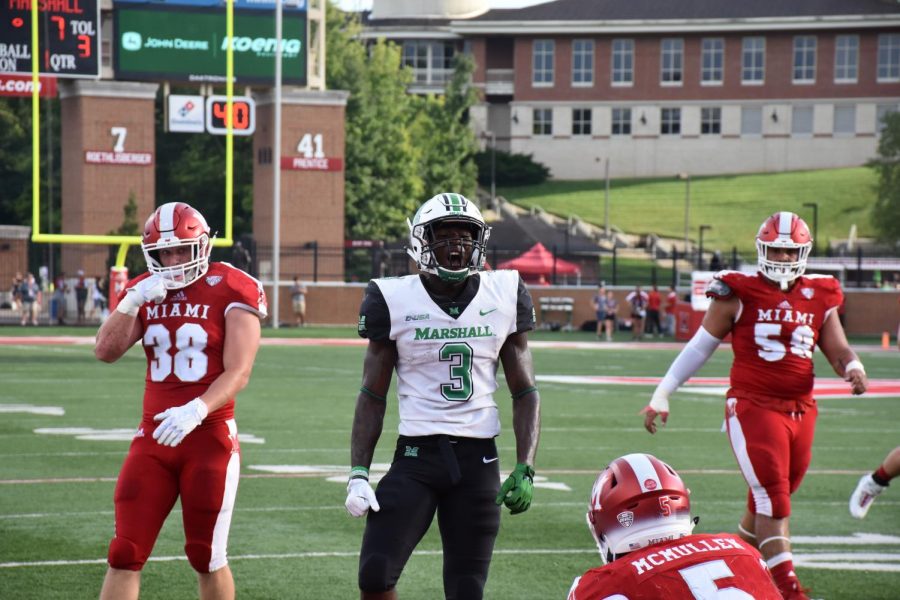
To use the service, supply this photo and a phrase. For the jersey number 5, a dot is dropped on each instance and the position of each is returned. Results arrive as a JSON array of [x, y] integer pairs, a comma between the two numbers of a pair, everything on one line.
[[773, 349], [701, 579], [190, 361], [459, 355]]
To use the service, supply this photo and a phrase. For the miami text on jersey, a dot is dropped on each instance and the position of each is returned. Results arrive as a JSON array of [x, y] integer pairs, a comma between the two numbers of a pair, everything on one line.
[[660, 558], [784, 316], [164, 311]]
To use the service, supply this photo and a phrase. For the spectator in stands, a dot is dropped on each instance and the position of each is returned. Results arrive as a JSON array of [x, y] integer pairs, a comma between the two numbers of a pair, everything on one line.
[[81, 294], [654, 300], [98, 297], [638, 301], [609, 323], [59, 298], [541, 280], [599, 304], [30, 294], [671, 301], [298, 302], [715, 263], [15, 292]]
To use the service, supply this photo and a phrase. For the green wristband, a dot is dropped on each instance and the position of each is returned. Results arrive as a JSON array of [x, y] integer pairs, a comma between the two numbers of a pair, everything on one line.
[[369, 392], [524, 392], [359, 473]]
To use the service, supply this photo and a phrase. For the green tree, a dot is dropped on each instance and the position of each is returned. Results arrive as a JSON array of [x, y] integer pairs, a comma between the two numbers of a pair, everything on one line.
[[382, 185], [446, 144], [887, 166], [134, 260]]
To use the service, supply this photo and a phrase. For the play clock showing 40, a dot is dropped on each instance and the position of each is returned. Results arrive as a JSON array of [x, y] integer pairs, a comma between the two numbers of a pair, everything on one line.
[[68, 37]]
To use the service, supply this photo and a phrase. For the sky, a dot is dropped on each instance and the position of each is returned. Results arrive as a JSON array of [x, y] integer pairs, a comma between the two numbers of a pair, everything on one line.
[[367, 4]]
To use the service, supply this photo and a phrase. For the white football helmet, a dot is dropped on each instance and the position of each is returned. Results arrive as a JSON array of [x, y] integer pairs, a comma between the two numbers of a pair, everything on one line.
[[783, 230], [441, 210], [638, 500], [174, 225]]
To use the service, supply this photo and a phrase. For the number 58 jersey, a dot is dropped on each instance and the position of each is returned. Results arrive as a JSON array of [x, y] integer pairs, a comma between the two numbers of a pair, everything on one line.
[[184, 337], [776, 331]]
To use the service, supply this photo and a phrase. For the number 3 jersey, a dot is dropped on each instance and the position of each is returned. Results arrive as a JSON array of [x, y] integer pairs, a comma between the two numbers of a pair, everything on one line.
[[184, 337], [699, 566], [775, 334], [447, 349]]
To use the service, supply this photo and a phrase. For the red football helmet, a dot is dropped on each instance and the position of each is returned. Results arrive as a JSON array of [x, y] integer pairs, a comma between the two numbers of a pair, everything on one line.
[[172, 225], [783, 230], [638, 500]]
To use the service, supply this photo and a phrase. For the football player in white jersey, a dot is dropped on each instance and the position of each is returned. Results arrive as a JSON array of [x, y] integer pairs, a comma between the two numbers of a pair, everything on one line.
[[444, 331]]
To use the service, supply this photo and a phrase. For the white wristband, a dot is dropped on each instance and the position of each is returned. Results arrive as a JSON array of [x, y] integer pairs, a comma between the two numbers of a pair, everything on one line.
[[128, 306], [854, 365]]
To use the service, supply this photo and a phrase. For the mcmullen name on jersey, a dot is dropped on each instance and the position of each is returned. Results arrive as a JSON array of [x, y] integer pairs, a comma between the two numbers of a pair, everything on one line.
[[176, 309], [782, 315], [452, 333], [658, 559]]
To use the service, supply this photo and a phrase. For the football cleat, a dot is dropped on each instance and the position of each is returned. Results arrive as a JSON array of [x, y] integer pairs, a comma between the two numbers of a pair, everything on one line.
[[863, 496]]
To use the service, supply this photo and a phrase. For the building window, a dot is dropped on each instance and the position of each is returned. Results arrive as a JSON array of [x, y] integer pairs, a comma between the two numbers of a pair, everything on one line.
[[881, 113], [621, 121], [753, 60], [622, 62], [712, 60], [671, 62], [802, 121], [711, 120], [889, 57], [670, 121], [846, 58], [431, 62], [542, 121], [845, 120], [804, 59], [582, 62], [542, 63], [751, 120], [581, 121]]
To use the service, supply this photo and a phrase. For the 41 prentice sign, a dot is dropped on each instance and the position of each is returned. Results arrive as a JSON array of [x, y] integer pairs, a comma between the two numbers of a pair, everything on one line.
[[181, 43]]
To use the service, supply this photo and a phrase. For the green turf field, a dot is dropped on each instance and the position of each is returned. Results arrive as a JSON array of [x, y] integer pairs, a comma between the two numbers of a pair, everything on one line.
[[291, 537]]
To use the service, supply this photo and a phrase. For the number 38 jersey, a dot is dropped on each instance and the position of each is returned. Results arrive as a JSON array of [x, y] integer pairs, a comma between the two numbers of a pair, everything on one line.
[[703, 567], [776, 331], [184, 337], [447, 352]]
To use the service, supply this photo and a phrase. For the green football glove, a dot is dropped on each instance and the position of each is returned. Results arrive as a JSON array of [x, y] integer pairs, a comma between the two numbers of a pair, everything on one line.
[[518, 489]]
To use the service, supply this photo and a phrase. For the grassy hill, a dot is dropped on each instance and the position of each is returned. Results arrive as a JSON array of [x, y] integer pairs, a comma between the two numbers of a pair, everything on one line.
[[734, 205]]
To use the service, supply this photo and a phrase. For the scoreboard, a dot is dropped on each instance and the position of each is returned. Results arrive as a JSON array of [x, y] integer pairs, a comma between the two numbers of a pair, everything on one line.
[[68, 37]]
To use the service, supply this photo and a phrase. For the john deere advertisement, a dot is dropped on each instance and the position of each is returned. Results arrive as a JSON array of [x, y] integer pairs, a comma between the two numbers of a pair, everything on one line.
[[187, 44]]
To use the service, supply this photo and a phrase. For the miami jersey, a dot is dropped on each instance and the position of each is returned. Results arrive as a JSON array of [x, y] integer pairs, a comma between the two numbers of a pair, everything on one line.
[[779, 329], [447, 351], [702, 567], [184, 337]]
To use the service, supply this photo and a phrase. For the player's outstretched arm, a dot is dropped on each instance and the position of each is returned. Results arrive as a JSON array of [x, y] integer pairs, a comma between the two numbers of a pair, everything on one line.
[[843, 359], [518, 489], [717, 323], [368, 422]]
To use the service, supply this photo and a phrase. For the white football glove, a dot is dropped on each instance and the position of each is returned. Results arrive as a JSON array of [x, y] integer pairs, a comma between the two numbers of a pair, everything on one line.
[[360, 497], [179, 421], [151, 289]]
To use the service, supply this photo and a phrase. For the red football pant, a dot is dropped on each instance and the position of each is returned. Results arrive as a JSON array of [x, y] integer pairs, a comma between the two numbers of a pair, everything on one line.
[[203, 470], [773, 450]]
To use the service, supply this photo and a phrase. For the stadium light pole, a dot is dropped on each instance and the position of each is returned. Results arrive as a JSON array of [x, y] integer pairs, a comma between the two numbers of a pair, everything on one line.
[[493, 137], [700, 253], [687, 211], [815, 232]]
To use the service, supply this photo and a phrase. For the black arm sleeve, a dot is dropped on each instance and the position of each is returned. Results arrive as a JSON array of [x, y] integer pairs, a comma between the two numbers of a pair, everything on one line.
[[524, 309], [374, 315]]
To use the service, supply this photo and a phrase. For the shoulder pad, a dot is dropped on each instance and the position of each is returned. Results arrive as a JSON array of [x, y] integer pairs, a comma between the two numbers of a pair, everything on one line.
[[717, 288]]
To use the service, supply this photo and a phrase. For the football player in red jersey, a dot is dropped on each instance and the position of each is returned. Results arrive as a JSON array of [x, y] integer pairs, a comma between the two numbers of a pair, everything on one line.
[[776, 317], [199, 324], [640, 517]]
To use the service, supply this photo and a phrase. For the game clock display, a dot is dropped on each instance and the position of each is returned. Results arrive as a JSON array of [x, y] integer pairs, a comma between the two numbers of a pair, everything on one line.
[[243, 111], [68, 37]]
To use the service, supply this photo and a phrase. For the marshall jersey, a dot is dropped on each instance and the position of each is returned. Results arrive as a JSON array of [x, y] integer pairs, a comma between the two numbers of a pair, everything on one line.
[[184, 337], [702, 567], [447, 349], [776, 329]]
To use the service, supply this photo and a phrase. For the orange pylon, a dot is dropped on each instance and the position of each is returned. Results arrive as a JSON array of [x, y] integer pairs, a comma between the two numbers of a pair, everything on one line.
[[885, 340]]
